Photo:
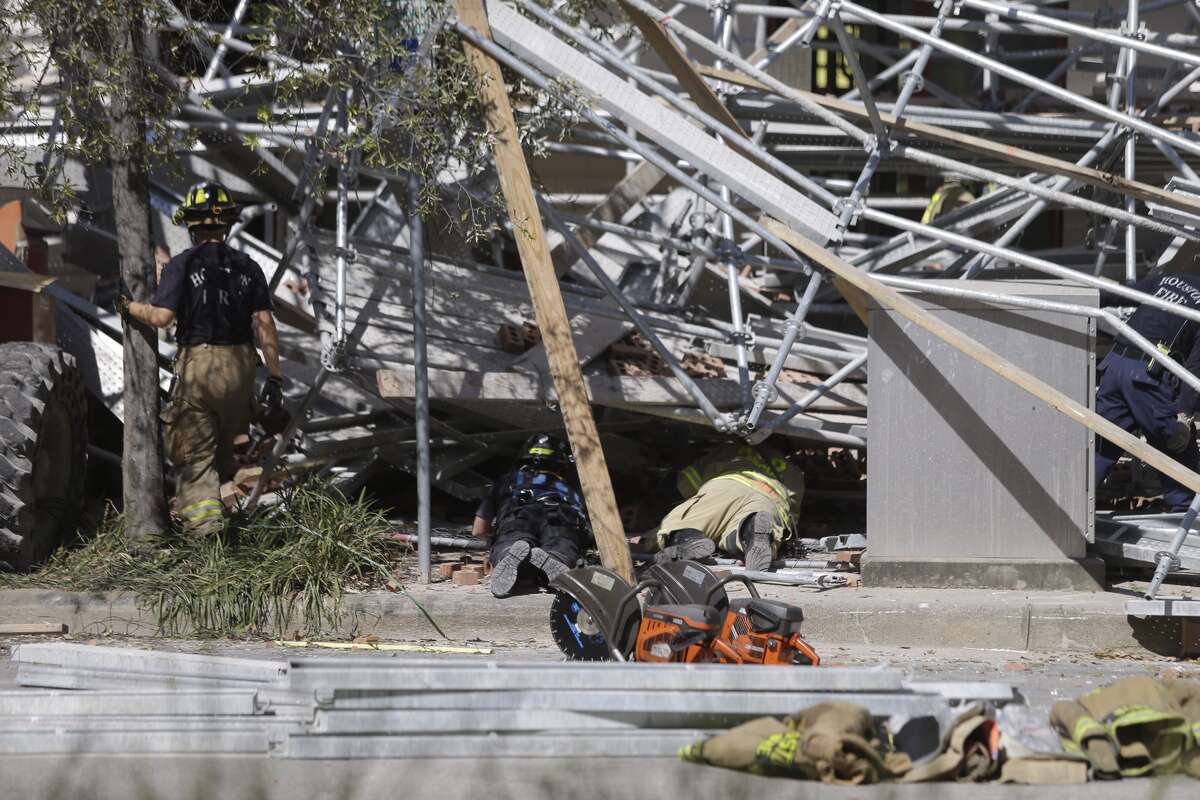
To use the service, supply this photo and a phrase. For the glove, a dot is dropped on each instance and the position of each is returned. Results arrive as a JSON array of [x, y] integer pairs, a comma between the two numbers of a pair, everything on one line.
[[124, 301], [271, 397]]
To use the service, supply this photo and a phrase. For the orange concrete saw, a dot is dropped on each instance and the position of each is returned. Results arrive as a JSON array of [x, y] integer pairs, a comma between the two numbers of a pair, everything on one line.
[[679, 612]]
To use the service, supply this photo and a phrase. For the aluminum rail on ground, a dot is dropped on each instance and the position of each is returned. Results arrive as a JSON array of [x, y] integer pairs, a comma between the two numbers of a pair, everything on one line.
[[622, 744], [149, 662], [182, 703]]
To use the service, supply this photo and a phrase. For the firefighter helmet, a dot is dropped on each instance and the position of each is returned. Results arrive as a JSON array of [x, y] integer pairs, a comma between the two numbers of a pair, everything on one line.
[[207, 203], [544, 450]]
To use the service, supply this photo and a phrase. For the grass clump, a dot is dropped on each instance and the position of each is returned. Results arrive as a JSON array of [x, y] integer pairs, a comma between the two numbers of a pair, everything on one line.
[[284, 568]]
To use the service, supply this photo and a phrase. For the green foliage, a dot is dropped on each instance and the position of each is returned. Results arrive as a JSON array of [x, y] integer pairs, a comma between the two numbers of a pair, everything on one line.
[[66, 58], [287, 567]]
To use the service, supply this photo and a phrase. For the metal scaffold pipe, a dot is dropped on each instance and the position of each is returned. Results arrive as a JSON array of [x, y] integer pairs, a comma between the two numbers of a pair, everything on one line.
[[416, 244]]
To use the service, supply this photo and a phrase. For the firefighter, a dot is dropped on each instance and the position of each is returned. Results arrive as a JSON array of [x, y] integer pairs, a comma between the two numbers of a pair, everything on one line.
[[534, 516], [1137, 394], [220, 302], [740, 500]]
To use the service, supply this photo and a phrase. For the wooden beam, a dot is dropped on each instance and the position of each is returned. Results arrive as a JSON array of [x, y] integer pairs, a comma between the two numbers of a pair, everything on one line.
[[890, 298], [547, 299], [681, 67], [1027, 159], [781, 34]]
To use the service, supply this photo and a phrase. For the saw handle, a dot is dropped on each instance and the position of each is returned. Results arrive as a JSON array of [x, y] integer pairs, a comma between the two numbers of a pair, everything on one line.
[[721, 584]]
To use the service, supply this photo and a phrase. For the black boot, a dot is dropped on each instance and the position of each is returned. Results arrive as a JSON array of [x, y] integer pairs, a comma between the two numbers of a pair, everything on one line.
[[504, 576], [760, 551], [550, 566], [686, 544]]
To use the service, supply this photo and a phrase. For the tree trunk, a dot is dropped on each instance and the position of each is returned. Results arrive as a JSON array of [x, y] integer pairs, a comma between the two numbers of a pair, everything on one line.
[[145, 505]]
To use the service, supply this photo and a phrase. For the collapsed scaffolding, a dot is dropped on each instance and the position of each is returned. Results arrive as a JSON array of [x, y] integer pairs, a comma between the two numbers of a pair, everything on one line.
[[677, 249]]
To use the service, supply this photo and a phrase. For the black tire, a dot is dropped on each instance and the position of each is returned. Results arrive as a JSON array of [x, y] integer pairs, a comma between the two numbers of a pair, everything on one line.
[[43, 451]]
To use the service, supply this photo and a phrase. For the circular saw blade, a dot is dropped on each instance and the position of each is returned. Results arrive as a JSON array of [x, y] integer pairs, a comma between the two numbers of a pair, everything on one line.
[[575, 632]]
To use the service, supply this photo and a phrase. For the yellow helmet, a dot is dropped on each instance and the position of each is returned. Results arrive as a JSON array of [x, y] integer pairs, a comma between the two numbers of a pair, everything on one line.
[[207, 203]]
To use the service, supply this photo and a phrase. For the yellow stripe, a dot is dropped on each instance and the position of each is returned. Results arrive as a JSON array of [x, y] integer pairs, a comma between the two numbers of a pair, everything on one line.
[[201, 510], [1086, 726], [692, 476]]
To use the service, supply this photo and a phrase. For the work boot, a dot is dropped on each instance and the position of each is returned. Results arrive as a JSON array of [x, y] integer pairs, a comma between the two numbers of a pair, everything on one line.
[[759, 550], [550, 566], [686, 545], [504, 575]]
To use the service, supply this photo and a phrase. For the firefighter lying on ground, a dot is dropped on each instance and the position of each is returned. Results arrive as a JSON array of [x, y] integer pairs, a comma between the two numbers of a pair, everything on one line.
[[534, 517], [220, 301], [740, 500]]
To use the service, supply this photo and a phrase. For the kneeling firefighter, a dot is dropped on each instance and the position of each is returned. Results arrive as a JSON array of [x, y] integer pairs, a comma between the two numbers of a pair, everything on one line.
[[221, 303], [534, 516], [741, 500]]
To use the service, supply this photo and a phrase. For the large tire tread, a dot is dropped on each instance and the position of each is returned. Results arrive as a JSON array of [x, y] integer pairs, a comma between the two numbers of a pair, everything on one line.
[[35, 378]]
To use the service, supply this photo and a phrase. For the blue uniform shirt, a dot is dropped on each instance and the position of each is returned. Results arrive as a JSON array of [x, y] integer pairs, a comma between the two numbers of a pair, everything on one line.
[[1162, 327]]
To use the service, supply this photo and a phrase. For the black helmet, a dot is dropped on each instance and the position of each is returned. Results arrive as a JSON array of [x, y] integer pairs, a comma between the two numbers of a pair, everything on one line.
[[544, 450], [207, 203]]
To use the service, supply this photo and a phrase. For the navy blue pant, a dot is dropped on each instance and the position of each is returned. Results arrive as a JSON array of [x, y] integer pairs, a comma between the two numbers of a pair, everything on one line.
[[553, 529], [1130, 398]]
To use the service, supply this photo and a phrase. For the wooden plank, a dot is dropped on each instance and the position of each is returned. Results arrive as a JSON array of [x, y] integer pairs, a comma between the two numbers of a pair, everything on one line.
[[681, 67], [1014, 155], [631, 190], [606, 389], [547, 299], [890, 298], [32, 628]]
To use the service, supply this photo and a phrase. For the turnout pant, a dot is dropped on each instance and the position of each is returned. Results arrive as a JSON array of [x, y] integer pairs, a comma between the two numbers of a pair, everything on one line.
[[720, 509], [551, 528], [1129, 397], [213, 404]]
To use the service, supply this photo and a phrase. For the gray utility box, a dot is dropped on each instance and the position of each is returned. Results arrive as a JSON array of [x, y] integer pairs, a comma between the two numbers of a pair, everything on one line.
[[973, 482]]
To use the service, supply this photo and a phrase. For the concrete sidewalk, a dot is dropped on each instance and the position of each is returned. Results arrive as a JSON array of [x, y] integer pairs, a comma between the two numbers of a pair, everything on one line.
[[1061, 622], [203, 777]]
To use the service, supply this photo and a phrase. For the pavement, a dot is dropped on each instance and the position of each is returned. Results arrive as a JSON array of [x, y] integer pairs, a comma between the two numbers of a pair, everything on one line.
[[257, 778], [1026, 621]]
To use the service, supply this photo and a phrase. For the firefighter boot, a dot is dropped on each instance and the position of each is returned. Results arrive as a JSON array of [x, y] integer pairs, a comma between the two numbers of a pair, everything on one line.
[[687, 544], [504, 576], [758, 547], [550, 566]]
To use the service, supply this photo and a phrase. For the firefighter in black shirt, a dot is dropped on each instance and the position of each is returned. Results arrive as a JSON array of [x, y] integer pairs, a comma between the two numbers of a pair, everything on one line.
[[1137, 394], [220, 301], [534, 516]]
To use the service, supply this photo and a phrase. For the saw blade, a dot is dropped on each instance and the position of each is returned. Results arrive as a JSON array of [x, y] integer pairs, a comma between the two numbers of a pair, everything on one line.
[[575, 632]]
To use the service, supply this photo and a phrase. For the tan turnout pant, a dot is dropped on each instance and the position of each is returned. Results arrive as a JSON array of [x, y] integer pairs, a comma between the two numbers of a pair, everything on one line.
[[213, 404], [718, 510]]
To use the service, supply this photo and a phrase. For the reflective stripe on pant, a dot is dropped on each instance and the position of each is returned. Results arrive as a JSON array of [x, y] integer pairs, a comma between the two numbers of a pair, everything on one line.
[[213, 404]]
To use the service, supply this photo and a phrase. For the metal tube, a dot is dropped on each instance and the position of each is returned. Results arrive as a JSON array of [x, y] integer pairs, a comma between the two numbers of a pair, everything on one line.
[[1167, 559], [792, 331], [801, 405], [693, 389], [1131, 140], [731, 137], [342, 240], [1115, 322], [416, 244], [1017, 76], [216, 62], [1020, 14], [687, 181], [886, 75], [1041, 265], [920, 156]]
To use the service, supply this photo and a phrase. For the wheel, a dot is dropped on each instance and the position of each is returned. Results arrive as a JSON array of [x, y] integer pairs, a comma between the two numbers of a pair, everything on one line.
[[43, 451]]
